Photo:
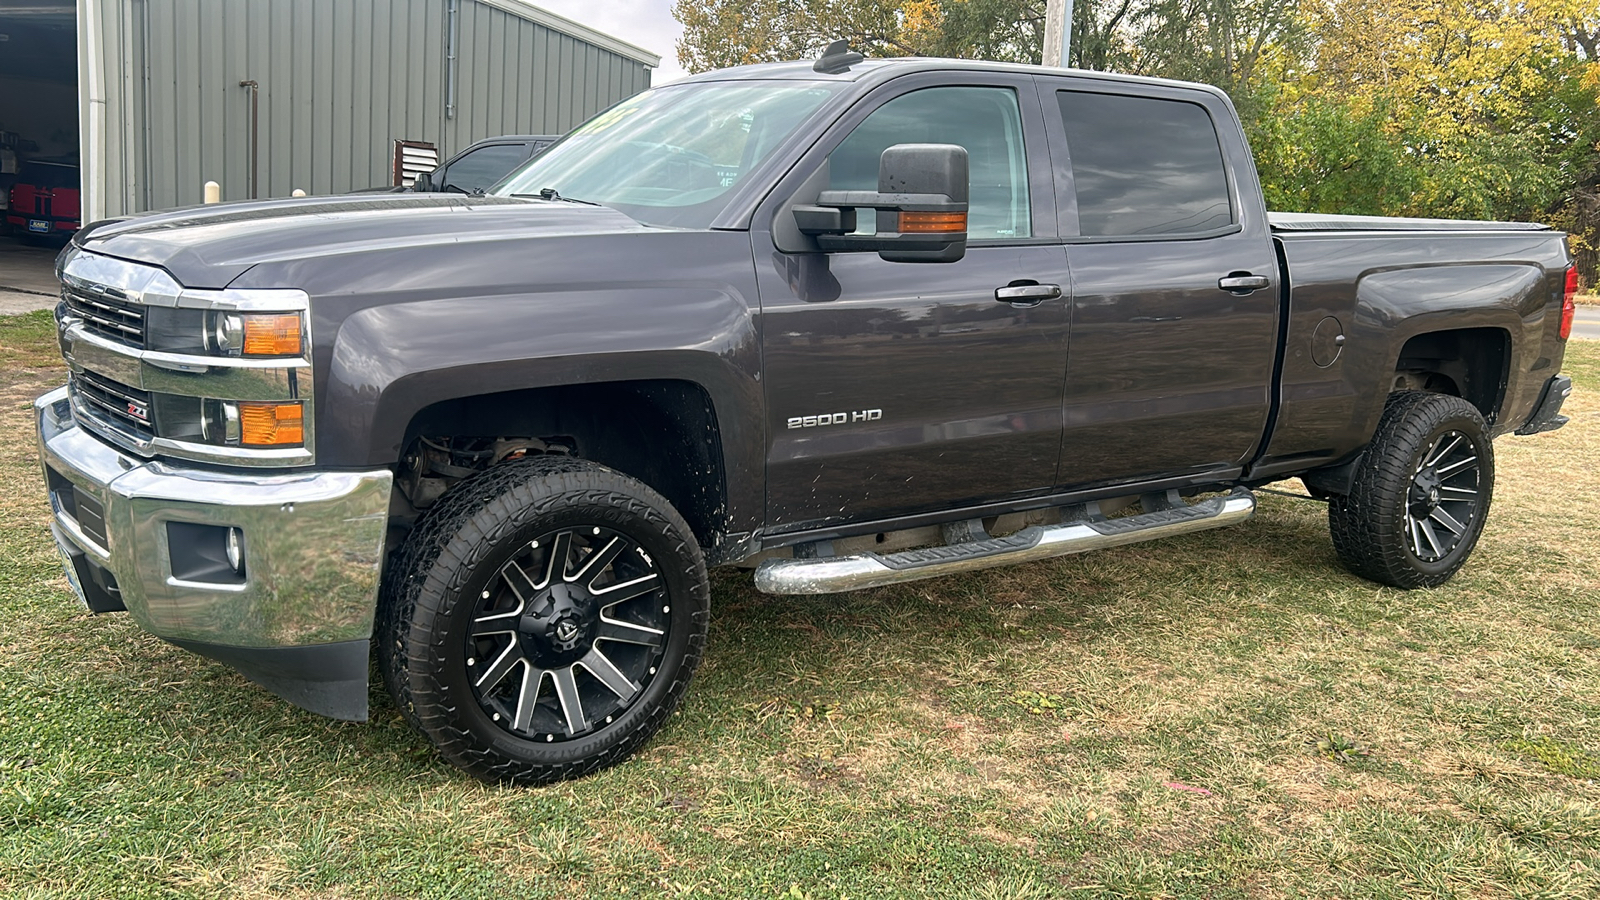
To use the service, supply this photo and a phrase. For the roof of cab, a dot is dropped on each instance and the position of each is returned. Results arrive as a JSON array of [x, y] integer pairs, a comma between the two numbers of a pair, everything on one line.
[[878, 70]]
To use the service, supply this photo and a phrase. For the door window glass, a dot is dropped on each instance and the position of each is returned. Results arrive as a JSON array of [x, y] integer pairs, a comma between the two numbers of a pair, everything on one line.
[[984, 120], [1144, 166], [480, 169]]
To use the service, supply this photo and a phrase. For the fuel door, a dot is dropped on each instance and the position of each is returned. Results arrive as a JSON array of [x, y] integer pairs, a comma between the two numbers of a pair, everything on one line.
[[1327, 342]]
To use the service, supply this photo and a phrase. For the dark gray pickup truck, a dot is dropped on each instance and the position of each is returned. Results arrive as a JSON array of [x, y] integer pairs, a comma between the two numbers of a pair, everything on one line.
[[847, 323]]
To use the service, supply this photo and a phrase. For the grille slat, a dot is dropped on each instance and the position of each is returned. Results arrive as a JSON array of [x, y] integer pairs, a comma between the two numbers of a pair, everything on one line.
[[108, 316], [110, 401]]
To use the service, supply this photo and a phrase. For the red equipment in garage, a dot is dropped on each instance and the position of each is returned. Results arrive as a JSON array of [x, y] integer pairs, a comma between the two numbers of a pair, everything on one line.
[[44, 199]]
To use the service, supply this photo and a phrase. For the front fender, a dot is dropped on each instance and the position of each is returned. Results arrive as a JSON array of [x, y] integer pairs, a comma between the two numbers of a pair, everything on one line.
[[391, 362]]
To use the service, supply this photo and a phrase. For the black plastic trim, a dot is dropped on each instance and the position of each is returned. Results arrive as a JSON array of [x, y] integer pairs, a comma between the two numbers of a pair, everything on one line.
[[327, 679], [1547, 413], [100, 591], [1218, 478]]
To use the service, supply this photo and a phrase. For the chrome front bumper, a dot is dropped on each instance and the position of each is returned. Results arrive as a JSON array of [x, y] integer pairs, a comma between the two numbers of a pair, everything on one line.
[[313, 553]]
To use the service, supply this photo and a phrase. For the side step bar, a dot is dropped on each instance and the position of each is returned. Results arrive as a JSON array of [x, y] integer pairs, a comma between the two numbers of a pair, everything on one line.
[[829, 575]]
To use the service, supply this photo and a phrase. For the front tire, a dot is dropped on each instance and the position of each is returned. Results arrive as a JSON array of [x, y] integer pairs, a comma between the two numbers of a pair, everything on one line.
[[543, 620], [1421, 494]]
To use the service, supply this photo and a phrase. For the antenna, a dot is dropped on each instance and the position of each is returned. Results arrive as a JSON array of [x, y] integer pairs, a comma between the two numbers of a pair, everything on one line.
[[837, 59]]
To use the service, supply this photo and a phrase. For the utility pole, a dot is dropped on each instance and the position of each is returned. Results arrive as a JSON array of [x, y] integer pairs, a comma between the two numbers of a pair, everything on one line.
[[1057, 32]]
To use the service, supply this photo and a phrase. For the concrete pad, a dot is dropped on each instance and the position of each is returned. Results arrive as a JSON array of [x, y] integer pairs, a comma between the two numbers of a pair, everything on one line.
[[15, 302], [27, 267]]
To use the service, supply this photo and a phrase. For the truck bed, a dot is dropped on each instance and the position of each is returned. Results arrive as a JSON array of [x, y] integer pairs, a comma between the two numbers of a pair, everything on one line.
[[1282, 222]]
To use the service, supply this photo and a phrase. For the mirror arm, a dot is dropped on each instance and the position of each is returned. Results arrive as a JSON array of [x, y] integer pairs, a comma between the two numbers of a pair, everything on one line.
[[901, 202], [815, 220], [830, 243]]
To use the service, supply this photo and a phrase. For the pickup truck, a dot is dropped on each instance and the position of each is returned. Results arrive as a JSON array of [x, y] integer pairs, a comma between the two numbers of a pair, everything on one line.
[[844, 322]]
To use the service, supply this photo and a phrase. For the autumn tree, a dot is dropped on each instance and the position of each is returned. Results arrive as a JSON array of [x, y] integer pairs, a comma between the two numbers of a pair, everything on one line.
[[719, 33]]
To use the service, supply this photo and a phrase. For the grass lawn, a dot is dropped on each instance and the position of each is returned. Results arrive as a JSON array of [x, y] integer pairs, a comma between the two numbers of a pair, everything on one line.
[[1224, 715]]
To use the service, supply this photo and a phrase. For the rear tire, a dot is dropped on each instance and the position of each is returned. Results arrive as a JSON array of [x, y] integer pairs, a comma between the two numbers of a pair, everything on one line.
[[1421, 493], [543, 619]]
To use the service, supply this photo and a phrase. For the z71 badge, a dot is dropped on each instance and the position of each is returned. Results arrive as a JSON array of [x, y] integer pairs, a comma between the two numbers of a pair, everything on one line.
[[838, 418]]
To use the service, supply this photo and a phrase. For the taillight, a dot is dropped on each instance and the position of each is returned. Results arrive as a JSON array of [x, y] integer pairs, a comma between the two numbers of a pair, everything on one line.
[[1569, 308]]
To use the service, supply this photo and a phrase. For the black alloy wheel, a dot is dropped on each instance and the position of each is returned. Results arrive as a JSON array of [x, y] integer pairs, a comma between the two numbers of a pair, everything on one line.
[[1421, 492], [1443, 500], [543, 619], [568, 634]]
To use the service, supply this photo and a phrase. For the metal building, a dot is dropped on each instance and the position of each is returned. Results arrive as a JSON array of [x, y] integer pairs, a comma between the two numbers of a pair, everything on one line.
[[167, 87]]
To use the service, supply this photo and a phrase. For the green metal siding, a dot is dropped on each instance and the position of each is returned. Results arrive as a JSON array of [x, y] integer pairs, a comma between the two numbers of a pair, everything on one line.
[[340, 81]]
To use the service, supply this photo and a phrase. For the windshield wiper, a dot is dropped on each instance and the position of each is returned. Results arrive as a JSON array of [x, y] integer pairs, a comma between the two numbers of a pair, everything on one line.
[[553, 194]]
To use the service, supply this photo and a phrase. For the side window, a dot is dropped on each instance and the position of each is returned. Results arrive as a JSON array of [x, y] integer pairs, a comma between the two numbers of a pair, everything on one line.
[[481, 168], [985, 120], [1144, 166]]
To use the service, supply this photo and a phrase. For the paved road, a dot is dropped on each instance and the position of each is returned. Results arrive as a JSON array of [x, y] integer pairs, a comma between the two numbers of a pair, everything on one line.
[[1587, 324]]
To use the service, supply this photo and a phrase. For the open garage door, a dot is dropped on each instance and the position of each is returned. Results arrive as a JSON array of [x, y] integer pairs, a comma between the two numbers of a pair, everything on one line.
[[39, 167]]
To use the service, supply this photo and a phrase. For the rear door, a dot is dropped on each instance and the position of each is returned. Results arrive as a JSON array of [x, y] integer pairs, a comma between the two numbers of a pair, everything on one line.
[[1174, 282], [898, 388]]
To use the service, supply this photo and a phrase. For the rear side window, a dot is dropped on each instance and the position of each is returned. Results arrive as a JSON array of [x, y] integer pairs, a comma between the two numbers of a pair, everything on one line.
[[984, 120], [1143, 166]]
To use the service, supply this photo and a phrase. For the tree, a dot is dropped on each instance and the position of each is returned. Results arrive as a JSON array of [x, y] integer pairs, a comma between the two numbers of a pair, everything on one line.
[[719, 33]]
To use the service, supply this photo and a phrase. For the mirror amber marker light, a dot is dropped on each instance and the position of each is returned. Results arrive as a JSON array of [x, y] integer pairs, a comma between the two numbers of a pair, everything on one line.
[[933, 222]]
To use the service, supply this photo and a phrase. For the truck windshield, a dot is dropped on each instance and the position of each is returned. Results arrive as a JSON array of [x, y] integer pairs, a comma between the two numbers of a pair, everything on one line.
[[671, 156]]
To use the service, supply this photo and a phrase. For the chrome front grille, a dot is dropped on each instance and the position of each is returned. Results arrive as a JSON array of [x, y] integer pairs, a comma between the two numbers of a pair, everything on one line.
[[123, 407], [107, 315], [147, 376]]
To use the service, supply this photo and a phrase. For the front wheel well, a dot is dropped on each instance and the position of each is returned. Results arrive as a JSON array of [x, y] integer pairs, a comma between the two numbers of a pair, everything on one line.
[[661, 432], [1469, 363]]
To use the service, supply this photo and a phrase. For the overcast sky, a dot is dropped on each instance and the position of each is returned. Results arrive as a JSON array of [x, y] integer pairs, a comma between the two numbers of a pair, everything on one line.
[[643, 23]]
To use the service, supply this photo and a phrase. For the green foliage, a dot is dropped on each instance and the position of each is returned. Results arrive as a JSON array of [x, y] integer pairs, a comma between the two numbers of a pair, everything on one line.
[[1326, 157], [1557, 756]]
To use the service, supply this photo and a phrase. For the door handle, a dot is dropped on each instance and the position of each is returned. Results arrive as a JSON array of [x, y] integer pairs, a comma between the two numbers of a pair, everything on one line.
[[1242, 283], [1027, 293]]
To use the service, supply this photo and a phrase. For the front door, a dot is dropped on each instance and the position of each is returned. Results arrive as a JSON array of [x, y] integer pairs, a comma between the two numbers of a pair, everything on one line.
[[1175, 285], [897, 388]]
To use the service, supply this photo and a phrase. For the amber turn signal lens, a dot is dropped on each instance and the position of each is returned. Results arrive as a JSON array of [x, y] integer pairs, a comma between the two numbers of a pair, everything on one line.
[[271, 424], [932, 222], [271, 335]]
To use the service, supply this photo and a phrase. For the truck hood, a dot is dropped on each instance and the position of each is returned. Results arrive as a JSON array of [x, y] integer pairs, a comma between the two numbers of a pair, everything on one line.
[[210, 246]]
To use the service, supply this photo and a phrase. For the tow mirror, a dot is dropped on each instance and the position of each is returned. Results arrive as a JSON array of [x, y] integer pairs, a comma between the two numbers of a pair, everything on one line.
[[920, 203]]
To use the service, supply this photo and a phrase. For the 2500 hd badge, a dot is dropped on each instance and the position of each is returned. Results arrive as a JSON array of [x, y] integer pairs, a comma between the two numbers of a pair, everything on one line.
[[839, 418]]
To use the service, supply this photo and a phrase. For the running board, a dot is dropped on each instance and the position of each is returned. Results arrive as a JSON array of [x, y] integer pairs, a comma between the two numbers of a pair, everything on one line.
[[830, 575]]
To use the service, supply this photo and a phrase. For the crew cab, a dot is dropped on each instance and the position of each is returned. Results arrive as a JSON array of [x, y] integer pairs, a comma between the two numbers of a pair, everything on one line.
[[847, 323]]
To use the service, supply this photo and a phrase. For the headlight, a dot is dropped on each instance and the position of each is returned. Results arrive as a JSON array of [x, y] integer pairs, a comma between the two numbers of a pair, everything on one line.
[[238, 334]]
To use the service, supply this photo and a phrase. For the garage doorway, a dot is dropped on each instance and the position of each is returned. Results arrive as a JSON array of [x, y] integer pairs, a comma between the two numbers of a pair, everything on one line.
[[40, 176]]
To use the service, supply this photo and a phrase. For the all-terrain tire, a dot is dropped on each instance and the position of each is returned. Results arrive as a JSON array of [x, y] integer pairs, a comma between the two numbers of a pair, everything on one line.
[[440, 589], [1385, 530]]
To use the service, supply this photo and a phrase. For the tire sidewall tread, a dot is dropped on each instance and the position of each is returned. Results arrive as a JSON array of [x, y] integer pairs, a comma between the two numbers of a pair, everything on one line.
[[419, 629], [1368, 525]]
